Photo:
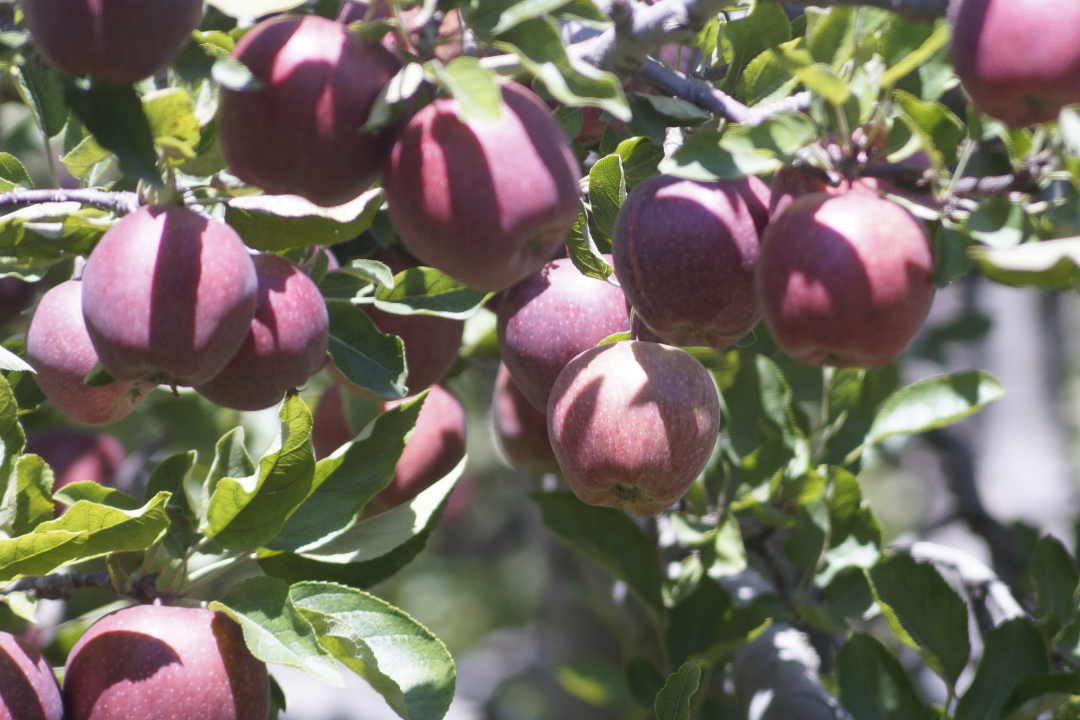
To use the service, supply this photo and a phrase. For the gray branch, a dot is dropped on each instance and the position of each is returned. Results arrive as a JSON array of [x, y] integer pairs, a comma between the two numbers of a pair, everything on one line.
[[58, 587], [121, 202]]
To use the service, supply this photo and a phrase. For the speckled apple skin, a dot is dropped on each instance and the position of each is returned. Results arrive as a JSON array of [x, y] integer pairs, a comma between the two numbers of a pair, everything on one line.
[[168, 296], [29, 691], [300, 133], [520, 428], [165, 663], [685, 252], [58, 347], [551, 317], [845, 281], [1019, 60], [121, 41], [286, 344], [632, 425], [484, 201]]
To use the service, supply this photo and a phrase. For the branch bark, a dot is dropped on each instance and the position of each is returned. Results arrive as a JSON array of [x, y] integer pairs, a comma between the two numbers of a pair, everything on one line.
[[58, 587], [121, 202]]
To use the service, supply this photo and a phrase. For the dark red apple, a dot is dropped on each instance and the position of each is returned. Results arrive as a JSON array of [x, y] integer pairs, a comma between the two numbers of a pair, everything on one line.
[[15, 296], [286, 345], [58, 347], [633, 424], [300, 132], [168, 296], [28, 690], [166, 663], [121, 41], [685, 252], [845, 281], [521, 428], [551, 317], [329, 423], [76, 456], [484, 201], [1018, 59]]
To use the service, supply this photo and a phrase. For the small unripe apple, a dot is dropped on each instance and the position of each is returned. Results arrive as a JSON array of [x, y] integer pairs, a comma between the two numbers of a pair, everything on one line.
[[685, 253], [845, 281], [168, 296], [633, 424], [484, 201], [15, 296], [300, 132], [1018, 59], [121, 41], [28, 690], [165, 663], [285, 346], [59, 348], [521, 428], [76, 456], [551, 317]]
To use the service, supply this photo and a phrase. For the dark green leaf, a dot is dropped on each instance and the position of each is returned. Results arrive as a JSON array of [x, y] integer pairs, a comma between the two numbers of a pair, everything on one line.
[[1033, 695], [924, 612], [43, 92], [1056, 578], [706, 625], [610, 538], [673, 700], [644, 680], [171, 476], [114, 114], [873, 683], [1011, 650], [366, 357]]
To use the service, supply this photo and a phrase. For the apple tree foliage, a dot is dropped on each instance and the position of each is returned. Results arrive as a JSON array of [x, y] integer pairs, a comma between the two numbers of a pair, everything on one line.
[[774, 537]]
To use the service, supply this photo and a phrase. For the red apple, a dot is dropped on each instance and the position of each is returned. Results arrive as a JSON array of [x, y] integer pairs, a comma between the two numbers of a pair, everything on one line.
[[165, 663], [121, 41], [329, 423], [484, 201], [28, 690], [286, 344], [168, 296], [58, 347], [15, 296], [76, 456], [521, 428], [450, 41], [633, 424], [845, 281], [551, 317], [1018, 59], [685, 252], [300, 132]]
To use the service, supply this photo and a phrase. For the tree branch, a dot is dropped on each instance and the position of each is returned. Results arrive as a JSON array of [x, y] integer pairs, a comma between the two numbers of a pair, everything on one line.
[[924, 10], [58, 587], [121, 202], [707, 97]]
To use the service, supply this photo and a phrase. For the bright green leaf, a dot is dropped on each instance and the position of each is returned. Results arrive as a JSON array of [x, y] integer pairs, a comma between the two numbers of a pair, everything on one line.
[[673, 700]]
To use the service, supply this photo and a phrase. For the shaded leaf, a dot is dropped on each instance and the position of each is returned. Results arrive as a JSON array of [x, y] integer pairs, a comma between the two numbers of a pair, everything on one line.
[[673, 700], [873, 684], [274, 223], [426, 291], [366, 357], [1011, 650], [114, 114], [583, 251]]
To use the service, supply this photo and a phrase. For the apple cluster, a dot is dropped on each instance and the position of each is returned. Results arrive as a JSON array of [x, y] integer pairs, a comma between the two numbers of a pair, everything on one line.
[[146, 661]]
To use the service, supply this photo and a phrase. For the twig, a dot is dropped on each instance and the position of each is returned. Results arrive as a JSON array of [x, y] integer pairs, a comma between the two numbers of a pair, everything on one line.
[[121, 202], [1022, 182], [720, 104], [58, 587]]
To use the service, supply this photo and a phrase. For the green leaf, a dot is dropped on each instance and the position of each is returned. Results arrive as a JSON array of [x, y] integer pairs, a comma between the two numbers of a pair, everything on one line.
[[817, 77], [873, 684], [44, 233], [1053, 264], [247, 512], [765, 26], [171, 476], [399, 657], [11, 361], [831, 34], [673, 700], [231, 459], [600, 683], [366, 357], [1056, 579], [607, 191], [84, 156], [114, 114], [43, 92], [230, 73], [39, 552], [275, 630], [426, 291], [171, 115], [106, 528], [920, 56], [708, 157], [610, 538], [933, 403], [1033, 695], [13, 174], [1011, 650], [645, 681], [937, 127], [93, 492], [640, 159], [706, 625], [273, 223], [474, 88], [525, 10], [253, 8], [370, 270], [348, 479], [32, 497], [372, 550], [582, 249], [924, 612]]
